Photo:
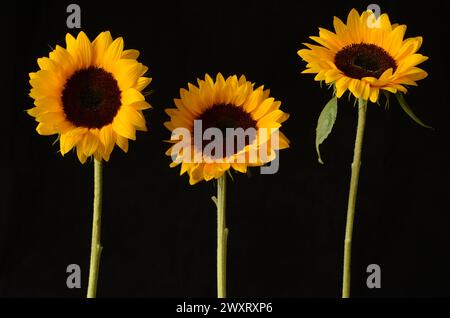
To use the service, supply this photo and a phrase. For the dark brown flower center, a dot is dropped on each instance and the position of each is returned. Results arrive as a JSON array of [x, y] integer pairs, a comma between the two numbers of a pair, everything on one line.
[[229, 116], [364, 60], [91, 98]]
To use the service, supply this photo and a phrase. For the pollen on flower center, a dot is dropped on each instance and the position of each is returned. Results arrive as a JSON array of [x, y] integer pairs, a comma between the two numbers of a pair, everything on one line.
[[364, 60], [229, 116], [91, 98]]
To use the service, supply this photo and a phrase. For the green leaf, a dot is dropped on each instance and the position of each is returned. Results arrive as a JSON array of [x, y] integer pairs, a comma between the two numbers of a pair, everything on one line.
[[408, 111], [325, 124]]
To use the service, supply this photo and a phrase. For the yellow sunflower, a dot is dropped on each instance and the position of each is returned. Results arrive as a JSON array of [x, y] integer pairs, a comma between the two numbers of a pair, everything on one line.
[[90, 95], [225, 104], [365, 56]]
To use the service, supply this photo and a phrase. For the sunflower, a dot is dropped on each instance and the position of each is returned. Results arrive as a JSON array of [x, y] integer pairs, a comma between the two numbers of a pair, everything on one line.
[[90, 95], [365, 56], [223, 104]]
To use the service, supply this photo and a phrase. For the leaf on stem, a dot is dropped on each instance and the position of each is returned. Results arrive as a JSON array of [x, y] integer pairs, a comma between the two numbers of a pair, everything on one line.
[[325, 124], [408, 111]]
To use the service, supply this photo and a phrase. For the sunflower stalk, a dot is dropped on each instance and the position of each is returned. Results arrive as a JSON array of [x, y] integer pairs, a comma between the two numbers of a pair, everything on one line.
[[222, 237], [96, 248], [356, 167]]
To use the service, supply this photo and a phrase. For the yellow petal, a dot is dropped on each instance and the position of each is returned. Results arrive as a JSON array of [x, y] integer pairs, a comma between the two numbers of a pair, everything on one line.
[[283, 141], [123, 127], [84, 53], [89, 144], [127, 73], [46, 129], [67, 142], [140, 105], [262, 109], [62, 58], [342, 85], [71, 45], [374, 94], [268, 120], [53, 118], [253, 100], [113, 54], [396, 40], [100, 45], [411, 61], [340, 28], [131, 96], [122, 142], [130, 54], [353, 25], [81, 156], [196, 174], [47, 64], [106, 136], [142, 83], [135, 117], [241, 167]]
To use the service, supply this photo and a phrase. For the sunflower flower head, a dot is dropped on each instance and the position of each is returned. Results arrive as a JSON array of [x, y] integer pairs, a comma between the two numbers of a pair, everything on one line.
[[222, 125], [90, 94], [365, 56]]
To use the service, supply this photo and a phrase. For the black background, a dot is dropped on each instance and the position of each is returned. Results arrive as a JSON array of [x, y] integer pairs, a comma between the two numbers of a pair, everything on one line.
[[286, 230]]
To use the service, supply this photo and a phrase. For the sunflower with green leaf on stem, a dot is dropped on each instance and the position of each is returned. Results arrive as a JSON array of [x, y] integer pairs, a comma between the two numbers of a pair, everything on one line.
[[366, 56]]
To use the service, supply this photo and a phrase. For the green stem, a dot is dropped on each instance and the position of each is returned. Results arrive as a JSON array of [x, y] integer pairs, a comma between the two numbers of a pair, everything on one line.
[[96, 248], [356, 167], [222, 237]]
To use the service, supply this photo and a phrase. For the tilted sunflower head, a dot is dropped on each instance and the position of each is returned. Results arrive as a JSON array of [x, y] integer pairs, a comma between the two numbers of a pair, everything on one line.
[[365, 55], [242, 122], [90, 94]]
